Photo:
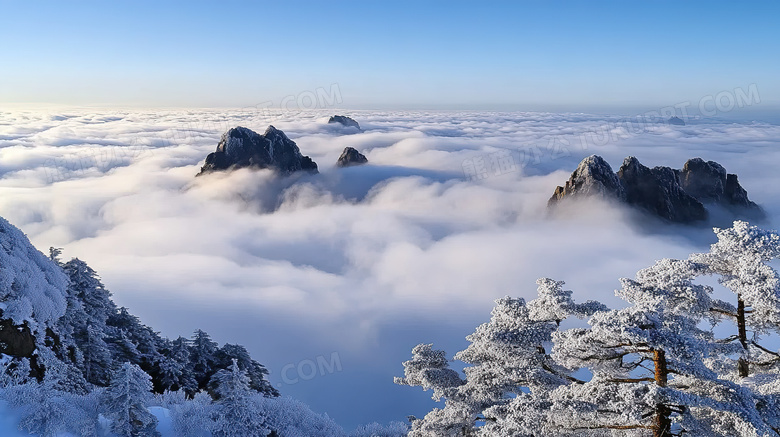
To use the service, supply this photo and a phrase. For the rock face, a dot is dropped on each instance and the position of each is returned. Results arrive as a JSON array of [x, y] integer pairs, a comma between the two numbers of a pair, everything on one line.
[[677, 121], [658, 191], [242, 147], [350, 157], [705, 180], [592, 177], [344, 120], [674, 195], [709, 182]]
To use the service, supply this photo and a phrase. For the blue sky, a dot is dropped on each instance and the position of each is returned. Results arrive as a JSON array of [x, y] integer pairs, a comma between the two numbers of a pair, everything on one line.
[[483, 55]]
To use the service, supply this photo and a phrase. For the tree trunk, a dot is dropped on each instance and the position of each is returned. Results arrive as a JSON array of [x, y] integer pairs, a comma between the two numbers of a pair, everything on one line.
[[662, 422], [742, 365]]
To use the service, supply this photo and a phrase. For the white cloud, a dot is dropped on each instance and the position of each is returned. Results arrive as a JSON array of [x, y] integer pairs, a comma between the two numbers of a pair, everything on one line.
[[366, 261]]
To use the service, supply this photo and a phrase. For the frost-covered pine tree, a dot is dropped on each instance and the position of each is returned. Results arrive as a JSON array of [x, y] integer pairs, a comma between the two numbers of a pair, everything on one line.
[[193, 418], [512, 372], [429, 369], [56, 405], [32, 287], [256, 371], [83, 327], [203, 357], [124, 330], [740, 261], [96, 356], [173, 367], [509, 363], [648, 367], [237, 414], [125, 402], [85, 285]]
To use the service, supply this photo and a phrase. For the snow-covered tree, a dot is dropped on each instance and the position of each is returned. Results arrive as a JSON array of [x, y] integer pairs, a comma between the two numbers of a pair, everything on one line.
[[203, 357], [132, 340], [509, 362], [237, 414], [740, 261], [291, 418], [394, 429], [85, 284], [429, 369], [256, 371], [32, 287], [59, 404], [173, 368], [648, 366], [125, 402], [191, 418], [96, 356]]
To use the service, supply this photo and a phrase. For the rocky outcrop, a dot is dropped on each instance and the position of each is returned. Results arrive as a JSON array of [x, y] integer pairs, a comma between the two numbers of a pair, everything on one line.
[[658, 191], [704, 180], [350, 157], [593, 177], [709, 182], [674, 195], [16, 340], [242, 147], [344, 120], [677, 121]]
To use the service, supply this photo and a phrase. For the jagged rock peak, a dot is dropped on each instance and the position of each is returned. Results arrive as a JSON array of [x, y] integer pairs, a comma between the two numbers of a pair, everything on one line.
[[658, 191], [350, 156], [709, 182], [593, 176], [243, 147], [674, 195], [344, 120], [704, 180], [677, 121]]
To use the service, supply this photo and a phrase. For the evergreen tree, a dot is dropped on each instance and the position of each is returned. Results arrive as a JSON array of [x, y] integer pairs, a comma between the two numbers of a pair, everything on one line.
[[97, 359], [193, 418], [509, 363], [203, 358], [648, 365], [173, 368], [126, 329], [125, 402], [86, 286], [429, 369], [237, 413], [123, 349], [740, 261], [256, 371]]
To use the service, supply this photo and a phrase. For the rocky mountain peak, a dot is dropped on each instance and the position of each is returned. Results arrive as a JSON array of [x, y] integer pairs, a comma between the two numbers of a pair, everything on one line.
[[243, 147], [673, 195], [344, 120], [593, 176], [349, 157]]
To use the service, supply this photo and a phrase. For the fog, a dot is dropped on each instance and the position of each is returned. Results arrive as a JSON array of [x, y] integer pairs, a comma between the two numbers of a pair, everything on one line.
[[363, 262]]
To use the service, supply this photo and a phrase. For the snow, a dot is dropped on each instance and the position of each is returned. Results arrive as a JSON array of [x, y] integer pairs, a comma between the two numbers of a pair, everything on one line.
[[164, 422], [30, 283], [9, 422]]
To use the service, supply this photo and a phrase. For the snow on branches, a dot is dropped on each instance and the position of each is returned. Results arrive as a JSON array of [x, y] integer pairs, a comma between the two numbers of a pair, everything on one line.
[[654, 367]]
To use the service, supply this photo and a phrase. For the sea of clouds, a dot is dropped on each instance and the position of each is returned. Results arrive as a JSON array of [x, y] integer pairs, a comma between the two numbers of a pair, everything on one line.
[[357, 265]]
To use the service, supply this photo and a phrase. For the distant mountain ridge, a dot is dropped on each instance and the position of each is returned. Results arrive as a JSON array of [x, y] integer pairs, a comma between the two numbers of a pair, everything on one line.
[[674, 195]]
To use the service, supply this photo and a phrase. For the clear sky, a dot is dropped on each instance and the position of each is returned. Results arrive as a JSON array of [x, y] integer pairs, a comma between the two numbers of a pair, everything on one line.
[[395, 54]]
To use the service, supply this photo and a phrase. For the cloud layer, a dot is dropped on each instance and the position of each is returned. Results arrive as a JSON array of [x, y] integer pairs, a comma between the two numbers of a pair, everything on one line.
[[365, 261]]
